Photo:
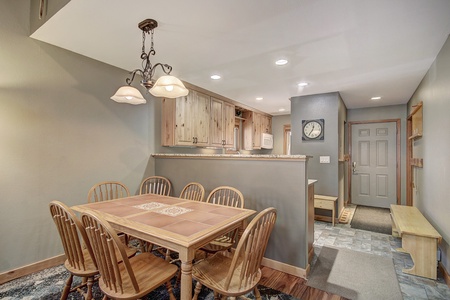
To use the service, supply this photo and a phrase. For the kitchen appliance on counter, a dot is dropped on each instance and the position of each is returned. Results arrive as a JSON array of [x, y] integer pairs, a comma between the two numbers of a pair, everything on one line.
[[266, 141]]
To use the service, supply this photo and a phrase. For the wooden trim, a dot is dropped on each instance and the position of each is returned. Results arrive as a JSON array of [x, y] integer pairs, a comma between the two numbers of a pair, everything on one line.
[[32, 268], [286, 129], [415, 109], [310, 256], [279, 266], [417, 162], [398, 155], [409, 143], [411, 162], [325, 218], [399, 170], [445, 274]]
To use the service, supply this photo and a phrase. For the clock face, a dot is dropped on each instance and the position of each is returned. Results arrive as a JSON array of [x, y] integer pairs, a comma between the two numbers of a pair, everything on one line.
[[313, 129]]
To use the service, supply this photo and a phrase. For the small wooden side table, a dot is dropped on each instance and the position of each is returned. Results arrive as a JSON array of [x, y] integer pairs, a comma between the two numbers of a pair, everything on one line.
[[326, 202]]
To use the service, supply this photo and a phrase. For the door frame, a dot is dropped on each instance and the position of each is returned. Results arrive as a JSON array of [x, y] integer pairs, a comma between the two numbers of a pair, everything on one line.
[[398, 145]]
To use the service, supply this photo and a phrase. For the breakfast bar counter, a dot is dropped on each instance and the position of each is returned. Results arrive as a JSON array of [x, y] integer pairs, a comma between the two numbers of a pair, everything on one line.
[[236, 156], [279, 181]]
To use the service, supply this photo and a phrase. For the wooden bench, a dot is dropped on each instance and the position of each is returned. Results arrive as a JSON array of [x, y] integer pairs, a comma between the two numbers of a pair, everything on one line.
[[325, 202], [419, 239]]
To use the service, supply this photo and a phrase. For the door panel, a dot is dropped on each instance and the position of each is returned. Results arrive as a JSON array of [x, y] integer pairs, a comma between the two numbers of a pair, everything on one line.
[[374, 175]]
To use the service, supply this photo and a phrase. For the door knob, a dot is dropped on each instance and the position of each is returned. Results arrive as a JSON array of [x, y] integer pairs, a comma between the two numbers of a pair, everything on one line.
[[354, 167]]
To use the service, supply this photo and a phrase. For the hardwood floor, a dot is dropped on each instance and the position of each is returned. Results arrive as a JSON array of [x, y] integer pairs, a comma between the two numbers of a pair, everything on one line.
[[294, 286]]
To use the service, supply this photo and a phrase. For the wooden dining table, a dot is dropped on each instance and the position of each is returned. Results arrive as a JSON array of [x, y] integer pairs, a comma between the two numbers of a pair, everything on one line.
[[177, 224]]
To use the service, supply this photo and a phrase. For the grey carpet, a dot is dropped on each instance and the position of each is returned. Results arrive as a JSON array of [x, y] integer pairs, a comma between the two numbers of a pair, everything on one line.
[[355, 275], [374, 219], [49, 283]]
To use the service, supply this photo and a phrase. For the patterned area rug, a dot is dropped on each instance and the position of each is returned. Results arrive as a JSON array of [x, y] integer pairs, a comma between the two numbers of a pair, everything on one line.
[[49, 283]]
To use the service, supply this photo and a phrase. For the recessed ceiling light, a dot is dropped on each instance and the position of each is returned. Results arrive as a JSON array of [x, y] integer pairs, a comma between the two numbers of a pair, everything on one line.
[[282, 109], [215, 77], [375, 98], [303, 84], [281, 62], [259, 98]]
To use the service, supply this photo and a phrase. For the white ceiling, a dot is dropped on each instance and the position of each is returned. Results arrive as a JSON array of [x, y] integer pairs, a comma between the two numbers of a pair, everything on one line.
[[360, 48]]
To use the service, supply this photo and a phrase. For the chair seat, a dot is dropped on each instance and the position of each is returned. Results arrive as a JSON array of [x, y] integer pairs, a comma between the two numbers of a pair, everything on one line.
[[150, 272], [213, 271]]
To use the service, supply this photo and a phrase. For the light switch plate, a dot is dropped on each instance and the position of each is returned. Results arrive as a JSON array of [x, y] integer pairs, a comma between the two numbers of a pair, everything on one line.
[[324, 159]]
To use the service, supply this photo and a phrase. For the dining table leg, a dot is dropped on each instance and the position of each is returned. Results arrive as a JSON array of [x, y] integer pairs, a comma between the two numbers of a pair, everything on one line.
[[186, 277]]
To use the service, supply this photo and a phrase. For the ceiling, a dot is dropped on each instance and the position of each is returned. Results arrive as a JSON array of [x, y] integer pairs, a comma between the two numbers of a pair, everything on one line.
[[359, 48]]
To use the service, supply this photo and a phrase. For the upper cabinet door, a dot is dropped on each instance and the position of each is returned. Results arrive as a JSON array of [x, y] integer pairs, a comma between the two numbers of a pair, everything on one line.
[[202, 110], [257, 130], [217, 117], [185, 120], [184, 116], [222, 124], [228, 125], [266, 124]]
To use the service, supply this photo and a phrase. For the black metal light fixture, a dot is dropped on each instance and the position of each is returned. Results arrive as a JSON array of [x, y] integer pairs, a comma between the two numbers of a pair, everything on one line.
[[166, 86]]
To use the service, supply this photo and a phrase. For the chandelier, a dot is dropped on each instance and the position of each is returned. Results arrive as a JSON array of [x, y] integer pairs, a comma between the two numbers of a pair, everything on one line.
[[166, 86]]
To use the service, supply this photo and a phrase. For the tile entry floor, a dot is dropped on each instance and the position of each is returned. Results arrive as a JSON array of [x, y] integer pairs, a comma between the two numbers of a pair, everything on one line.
[[343, 236]]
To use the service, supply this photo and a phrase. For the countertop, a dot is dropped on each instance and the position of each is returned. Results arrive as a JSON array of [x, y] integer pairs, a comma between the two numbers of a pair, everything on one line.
[[311, 181], [235, 156]]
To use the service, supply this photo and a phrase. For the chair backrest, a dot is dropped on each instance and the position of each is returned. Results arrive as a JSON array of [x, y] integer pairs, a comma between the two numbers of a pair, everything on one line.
[[73, 236], [193, 191], [156, 185], [246, 262], [107, 190], [108, 251], [226, 195]]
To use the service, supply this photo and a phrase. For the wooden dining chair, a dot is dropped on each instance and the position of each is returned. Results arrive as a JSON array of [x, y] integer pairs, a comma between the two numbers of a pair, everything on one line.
[[228, 196], [79, 255], [155, 185], [134, 277], [80, 259], [234, 274], [107, 190], [193, 191]]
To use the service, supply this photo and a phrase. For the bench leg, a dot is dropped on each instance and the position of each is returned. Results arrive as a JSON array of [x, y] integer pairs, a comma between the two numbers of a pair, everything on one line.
[[423, 251]]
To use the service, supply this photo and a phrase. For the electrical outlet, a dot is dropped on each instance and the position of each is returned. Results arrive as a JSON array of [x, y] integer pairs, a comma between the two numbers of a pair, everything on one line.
[[324, 159]]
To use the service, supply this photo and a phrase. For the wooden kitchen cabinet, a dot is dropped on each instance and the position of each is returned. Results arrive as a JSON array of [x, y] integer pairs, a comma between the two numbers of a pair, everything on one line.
[[254, 124], [266, 124], [222, 123], [186, 120]]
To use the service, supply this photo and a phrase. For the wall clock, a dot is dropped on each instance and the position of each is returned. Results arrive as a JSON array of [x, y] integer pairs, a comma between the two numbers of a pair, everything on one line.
[[313, 130]]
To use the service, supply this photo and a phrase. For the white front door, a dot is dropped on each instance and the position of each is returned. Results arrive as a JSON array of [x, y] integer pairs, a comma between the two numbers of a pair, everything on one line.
[[373, 165]]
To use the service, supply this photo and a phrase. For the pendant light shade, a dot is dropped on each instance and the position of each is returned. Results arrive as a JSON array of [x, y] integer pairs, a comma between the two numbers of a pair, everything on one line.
[[128, 94], [169, 87]]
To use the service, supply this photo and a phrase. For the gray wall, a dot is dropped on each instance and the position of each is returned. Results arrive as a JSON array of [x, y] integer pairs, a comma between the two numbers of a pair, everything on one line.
[[60, 134], [264, 183], [431, 195], [322, 106], [384, 113]]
